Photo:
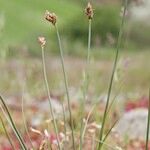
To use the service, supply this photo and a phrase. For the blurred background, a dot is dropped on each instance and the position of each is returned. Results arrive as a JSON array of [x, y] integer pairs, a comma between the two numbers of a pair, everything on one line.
[[21, 22], [21, 76]]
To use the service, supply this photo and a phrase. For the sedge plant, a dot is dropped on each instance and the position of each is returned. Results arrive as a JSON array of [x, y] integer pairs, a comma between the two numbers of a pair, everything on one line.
[[52, 18], [89, 13], [42, 42], [112, 76]]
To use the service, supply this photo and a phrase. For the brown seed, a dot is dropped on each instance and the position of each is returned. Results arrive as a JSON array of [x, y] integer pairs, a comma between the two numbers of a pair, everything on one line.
[[51, 17], [89, 11]]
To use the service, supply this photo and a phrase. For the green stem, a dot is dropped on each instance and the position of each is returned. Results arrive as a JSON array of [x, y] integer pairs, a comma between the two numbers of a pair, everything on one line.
[[66, 84], [112, 76], [113, 101], [7, 134], [86, 83], [86, 122], [148, 124], [109, 131], [49, 98], [18, 135]]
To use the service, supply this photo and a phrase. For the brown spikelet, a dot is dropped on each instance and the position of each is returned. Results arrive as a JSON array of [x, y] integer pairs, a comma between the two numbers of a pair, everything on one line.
[[89, 11], [42, 41], [51, 17]]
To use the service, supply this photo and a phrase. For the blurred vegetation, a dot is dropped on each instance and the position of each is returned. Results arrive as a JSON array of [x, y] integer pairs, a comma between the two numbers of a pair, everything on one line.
[[23, 22], [140, 34], [106, 22]]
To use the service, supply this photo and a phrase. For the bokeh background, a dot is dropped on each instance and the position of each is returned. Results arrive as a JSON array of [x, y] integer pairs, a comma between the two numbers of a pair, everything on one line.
[[21, 22]]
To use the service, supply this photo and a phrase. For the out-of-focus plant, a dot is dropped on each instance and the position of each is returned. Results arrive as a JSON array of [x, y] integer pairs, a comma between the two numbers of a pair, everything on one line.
[[105, 24], [3, 49]]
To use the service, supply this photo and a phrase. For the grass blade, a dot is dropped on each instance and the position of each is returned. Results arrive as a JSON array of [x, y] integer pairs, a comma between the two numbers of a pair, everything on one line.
[[109, 131], [7, 134], [66, 84], [18, 135], [112, 76]]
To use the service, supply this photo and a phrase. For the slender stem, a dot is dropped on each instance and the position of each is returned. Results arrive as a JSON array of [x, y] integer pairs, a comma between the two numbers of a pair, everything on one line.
[[148, 124], [86, 83], [86, 122], [107, 145], [25, 122], [113, 101], [66, 84], [109, 131], [10, 120], [112, 76], [7, 134], [49, 97], [64, 117]]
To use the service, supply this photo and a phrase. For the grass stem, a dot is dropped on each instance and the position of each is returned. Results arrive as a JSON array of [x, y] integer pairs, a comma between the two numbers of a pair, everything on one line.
[[86, 84], [11, 122], [66, 84], [7, 134], [49, 97]]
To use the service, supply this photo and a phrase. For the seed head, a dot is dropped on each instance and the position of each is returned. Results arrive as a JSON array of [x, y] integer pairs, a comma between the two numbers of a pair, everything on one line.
[[42, 41], [51, 17], [89, 11]]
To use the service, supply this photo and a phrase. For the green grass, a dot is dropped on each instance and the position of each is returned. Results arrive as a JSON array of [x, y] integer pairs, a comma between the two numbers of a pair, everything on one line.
[[24, 18]]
